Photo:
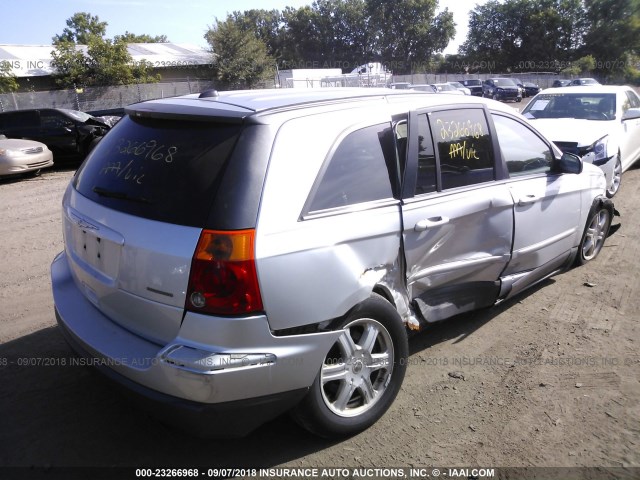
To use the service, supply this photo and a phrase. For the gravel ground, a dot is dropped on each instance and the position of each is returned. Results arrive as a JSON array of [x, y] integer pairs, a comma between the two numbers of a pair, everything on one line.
[[548, 379]]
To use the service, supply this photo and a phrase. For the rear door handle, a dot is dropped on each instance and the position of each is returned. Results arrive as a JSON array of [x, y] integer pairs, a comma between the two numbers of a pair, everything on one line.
[[430, 223], [528, 199]]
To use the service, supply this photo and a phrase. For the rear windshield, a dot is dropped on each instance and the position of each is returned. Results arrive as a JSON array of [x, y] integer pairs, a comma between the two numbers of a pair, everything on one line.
[[164, 170]]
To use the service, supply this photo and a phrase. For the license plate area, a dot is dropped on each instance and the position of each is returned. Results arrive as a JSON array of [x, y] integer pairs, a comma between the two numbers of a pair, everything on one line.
[[96, 248]]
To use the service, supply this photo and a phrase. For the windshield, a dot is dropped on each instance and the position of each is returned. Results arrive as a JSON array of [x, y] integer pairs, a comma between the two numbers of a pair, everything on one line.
[[587, 106], [456, 84], [80, 116], [504, 82]]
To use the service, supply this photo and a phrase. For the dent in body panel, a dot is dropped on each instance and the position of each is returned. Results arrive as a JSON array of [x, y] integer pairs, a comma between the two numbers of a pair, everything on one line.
[[389, 280], [311, 268], [455, 261], [322, 269]]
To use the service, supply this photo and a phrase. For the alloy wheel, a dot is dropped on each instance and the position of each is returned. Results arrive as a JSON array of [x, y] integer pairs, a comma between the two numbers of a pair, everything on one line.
[[357, 370]]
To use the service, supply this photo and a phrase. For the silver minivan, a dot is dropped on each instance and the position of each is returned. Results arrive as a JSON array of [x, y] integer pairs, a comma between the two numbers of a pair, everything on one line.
[[230, 256]]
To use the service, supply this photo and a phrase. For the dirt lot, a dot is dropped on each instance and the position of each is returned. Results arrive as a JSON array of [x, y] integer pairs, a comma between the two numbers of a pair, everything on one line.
[[549, 379]]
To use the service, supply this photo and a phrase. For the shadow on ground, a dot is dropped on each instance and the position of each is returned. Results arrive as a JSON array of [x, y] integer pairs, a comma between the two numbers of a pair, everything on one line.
[[56, 414]]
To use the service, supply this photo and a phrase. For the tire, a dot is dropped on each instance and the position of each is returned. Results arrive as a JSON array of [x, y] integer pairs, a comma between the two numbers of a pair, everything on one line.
[[519, 99], [617, 178], [34, 173], [495, 97], [594, 235], [360, 375]]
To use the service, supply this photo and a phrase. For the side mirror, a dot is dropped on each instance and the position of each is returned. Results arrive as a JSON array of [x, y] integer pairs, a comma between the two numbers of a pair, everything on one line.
[[631, 114], [568, 163]]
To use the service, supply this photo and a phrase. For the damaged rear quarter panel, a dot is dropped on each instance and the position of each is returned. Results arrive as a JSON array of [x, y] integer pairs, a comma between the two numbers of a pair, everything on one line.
[[317, 268]]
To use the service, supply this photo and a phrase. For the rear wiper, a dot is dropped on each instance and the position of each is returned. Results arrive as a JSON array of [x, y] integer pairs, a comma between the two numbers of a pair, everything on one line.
[[103, 192]]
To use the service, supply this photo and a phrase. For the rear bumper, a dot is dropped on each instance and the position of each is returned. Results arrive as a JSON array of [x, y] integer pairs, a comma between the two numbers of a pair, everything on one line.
[[212, 367], [227, 419]]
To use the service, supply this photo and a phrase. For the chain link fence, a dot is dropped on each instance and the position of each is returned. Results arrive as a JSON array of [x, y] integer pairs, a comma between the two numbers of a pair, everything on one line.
[[99, 98], [92, 99], [542, 79]]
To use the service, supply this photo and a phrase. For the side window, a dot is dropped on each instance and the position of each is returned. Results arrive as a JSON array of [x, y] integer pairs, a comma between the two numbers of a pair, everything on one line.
[[634, 101], [464, 147], [54, 120], [23, 120], [524, 152], [358, 171], [400, 123]]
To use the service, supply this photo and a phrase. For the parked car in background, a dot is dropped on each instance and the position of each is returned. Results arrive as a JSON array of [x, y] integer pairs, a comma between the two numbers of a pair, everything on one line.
[[599, 123], [23, 156], [69, 134], [423, 87], [584, 81], [446, 88], [502, 89], [560, 83], [205, 280], [520, 84], [461, 87], [474, 85], [531, 89], [400, 85]]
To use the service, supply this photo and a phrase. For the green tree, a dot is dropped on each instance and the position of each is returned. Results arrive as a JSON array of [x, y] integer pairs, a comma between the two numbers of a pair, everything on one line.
[[99, 61], [8, 81], [267, 25], [301, 36], [129, 37], [631, 72], [582, 66], [240, 59], [406, 33], [613, 35], [520, 35], [329, 34], [70, 65], [81, 27], [109, 63]]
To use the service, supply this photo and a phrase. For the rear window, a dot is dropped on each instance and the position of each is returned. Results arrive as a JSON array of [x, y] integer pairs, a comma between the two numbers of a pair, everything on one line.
[[359, 170], [164, 170]]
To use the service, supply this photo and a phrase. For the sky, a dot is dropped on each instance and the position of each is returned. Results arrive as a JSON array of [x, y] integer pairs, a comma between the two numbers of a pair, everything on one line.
[[35, 22]]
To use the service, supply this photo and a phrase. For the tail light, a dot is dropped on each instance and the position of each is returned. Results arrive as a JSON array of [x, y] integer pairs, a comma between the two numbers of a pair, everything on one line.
[[223, 278]]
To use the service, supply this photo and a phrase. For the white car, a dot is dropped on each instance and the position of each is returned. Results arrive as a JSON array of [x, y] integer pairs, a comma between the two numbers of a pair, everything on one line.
[[461, 87], [599, 123], [23, 156], [446, 88]]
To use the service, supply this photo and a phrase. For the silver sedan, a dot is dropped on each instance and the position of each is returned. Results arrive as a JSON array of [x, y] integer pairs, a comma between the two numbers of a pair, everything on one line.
[[23, 156]]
